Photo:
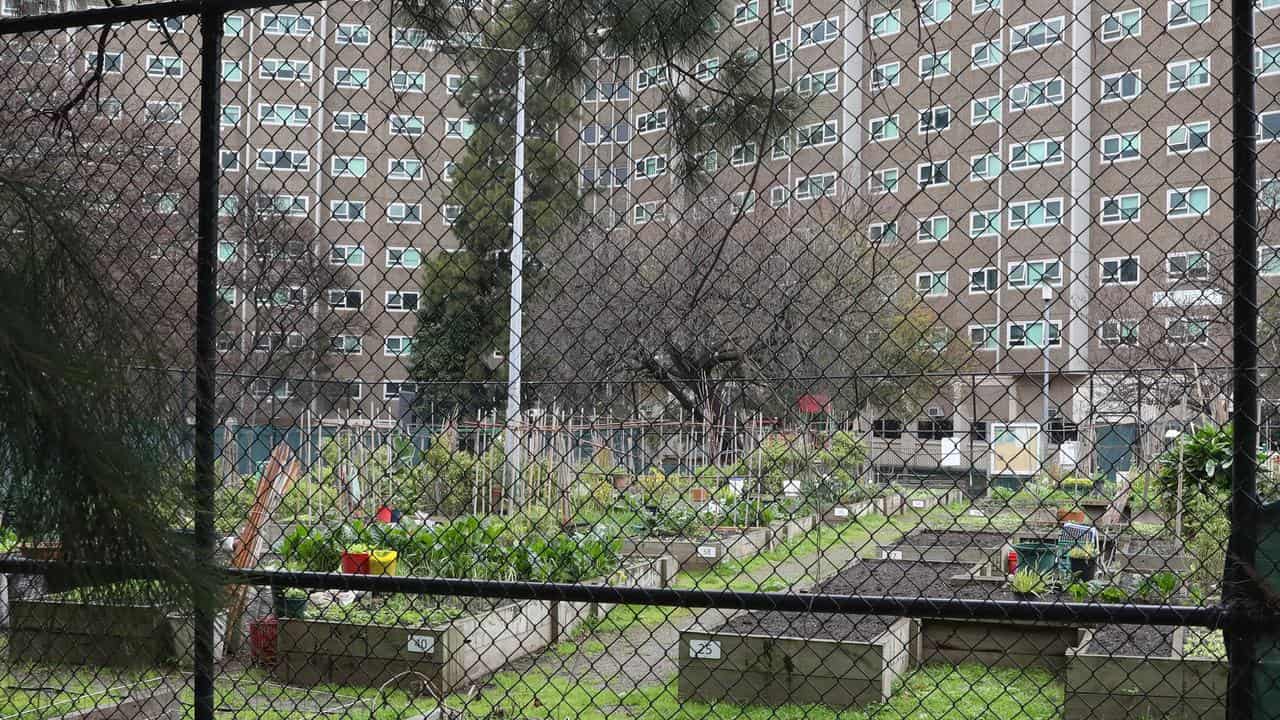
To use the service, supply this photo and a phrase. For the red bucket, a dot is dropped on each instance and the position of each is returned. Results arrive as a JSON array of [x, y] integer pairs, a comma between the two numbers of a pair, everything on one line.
[[355, 563], [384, 514], [262, 640]]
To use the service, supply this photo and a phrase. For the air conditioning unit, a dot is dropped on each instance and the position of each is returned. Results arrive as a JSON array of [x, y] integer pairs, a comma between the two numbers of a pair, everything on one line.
[[934, 412]]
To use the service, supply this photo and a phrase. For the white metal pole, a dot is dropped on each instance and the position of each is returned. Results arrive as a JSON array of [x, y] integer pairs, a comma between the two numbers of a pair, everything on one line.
[[1046, 293], [517, 286]]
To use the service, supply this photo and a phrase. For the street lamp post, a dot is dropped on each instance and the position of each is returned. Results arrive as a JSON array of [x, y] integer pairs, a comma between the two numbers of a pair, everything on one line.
[[515, 322]]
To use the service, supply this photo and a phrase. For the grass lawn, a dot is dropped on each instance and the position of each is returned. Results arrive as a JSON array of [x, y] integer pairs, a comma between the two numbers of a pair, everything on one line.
[[968, 692], [31, 691], [754, 573]]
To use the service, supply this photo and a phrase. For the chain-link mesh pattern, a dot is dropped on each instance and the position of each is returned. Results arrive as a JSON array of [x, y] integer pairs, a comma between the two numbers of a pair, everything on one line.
[[917, 313]]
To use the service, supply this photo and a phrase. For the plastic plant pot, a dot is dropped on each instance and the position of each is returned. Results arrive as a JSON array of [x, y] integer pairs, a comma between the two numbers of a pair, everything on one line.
[[1084, 568], [355, 563], [382, 562]]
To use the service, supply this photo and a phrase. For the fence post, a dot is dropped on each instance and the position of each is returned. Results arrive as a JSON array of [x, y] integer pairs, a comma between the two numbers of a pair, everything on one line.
[[206, 329], [1239, 590]]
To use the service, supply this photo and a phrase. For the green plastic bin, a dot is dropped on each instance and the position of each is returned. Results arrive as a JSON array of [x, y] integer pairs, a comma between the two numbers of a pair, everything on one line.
[[1042, 557]]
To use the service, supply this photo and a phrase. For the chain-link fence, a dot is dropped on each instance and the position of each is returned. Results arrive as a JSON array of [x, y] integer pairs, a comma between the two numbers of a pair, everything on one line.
[[630, 358]]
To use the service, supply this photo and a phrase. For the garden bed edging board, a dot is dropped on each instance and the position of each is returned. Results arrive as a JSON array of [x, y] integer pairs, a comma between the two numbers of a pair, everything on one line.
[[1121, 687], [922, 500], [998, 643], [52, 631], [974, 553], [701, 555], [450, 654], [753, 669]]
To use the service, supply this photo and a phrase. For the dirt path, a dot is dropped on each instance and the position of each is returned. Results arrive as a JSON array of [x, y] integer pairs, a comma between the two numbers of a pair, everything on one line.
[[643, 655]]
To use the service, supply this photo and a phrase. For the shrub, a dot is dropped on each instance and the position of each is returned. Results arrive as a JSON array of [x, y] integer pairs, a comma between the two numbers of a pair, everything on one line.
[[1079, 486], [1028, 582]]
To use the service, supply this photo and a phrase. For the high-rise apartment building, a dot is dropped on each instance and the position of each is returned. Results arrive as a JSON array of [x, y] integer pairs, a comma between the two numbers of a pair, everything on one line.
[[1056, 174]]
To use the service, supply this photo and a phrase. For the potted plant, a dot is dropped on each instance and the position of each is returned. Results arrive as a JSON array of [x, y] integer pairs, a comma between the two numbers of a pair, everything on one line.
[[289, 602], [355, 560], [1084, 561], [1028, 584]]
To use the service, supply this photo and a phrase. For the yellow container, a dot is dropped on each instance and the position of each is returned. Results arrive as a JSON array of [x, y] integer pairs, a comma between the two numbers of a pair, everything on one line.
[[382, 562]]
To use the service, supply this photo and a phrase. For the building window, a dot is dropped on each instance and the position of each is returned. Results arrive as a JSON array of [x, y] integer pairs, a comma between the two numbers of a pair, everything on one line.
[[987, 54], [406, 125], [883, 233], [983, 281], [886, 428], [1036, 94], [1118, 332], [450, 213], [346, 256], [886, 24], [648, 212], [886, 76], [164, 66], [779, 195], [934, 120], [1030, 273], [1268, 126], [348, 299], [393, 389], [165, 113], [825, 82], [1119, 271], [984, 337], [933, 12], [651, 77], [1035, 213], [782, 50], [1268, 260], [931, 174], [1266, 61], [349, 165], [404, 169], [278, 160], [931, 284], [1036, 153], [984, 167], [1060, 429], [935, 428], [1187, 266], [651, 167], [1183, 13], [934, 229], [1187, 331], [746, 12], [651, 121], [278, 69], [1036, 35], [397, 345], [232, 25], [816, 135], [706, 70], [1032, 334], [231, 71], [886, 128], [112, 62], [409, 82], [1183, 139], [347, 34], [1187, 202], [981, 6], [456, 128], [399, 213], [1121, 25], [286, 24], [1121, 209], [352, 122], [402, 300], [1121, 147], [932, 65], [742, 155], [742, 202], [347, 210], [984, 223], [346, 345], [819, 33], [1188, 75], [1121, 86], [230, 160], [985, 110], [290, 115], [404, 257], [884, 181], [811, 187]]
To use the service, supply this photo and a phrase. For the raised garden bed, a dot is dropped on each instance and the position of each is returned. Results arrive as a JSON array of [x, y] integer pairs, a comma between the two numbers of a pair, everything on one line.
[[844, 512], [950, 546], [121, 635], [709, 549], [452, 643], [1126, 672], [923, 500], [1146, 555], [850, 661]]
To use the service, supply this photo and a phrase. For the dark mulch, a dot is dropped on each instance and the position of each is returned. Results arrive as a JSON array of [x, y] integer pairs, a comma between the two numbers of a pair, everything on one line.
[[923, 579], [1133, 640], [952, 538]]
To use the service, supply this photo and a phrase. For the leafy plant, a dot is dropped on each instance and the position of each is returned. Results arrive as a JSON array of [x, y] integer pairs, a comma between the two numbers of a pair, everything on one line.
[[1162, 585], [1082, 552], [1079, 486], [310, 549], [8, 540], [1028, 582], [1112, 594], [296, 593], [1079, 591]]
